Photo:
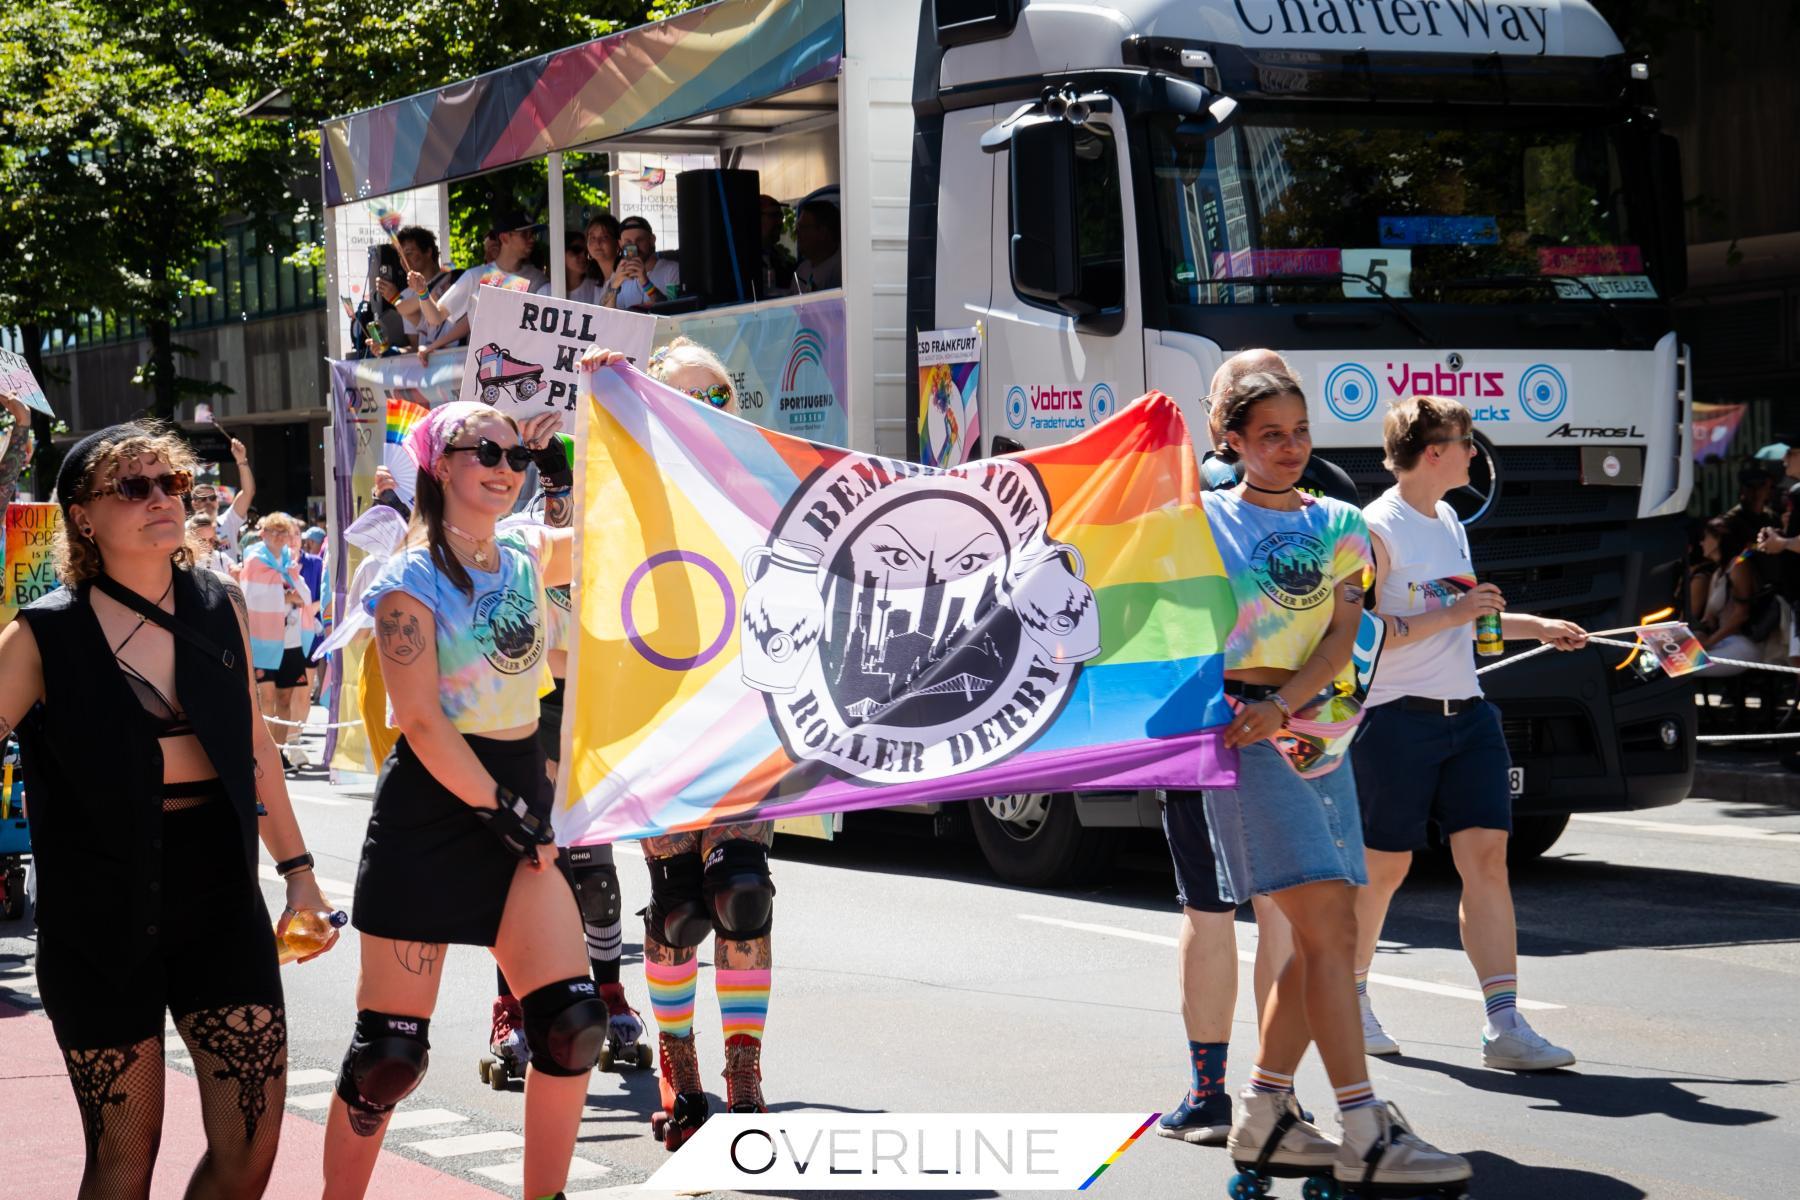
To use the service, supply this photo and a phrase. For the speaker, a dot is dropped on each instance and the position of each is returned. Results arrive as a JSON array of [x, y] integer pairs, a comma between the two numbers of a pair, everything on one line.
[[720, 238]]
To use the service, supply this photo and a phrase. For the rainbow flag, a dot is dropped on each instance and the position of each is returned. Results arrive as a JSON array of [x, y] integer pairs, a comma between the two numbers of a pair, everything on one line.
[[771, 627], [391, 219], [402, 415], [506, 280]]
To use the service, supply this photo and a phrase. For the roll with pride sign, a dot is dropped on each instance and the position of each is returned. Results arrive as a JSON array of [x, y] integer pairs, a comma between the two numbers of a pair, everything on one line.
[[771, 627]]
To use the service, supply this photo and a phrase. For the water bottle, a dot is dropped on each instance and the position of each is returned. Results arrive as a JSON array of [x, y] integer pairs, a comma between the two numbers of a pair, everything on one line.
[[307, 933]]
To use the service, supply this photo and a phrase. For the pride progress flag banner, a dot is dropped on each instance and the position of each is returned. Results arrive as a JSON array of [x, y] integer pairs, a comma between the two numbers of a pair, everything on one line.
[[770, 627]]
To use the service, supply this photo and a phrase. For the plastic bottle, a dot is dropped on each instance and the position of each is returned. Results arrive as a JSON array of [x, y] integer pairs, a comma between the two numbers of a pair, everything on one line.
[[307, 933]]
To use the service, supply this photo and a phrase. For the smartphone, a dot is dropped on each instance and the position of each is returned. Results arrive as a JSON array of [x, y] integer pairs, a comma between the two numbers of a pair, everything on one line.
[[628, 250]]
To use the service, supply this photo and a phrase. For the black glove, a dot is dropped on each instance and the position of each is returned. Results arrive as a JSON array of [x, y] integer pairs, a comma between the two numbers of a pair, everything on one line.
[[517, 827], [553, 465]]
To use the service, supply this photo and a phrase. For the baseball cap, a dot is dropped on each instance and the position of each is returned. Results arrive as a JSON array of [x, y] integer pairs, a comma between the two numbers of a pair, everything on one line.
[[511, 220], [312, 531], [635, 223]]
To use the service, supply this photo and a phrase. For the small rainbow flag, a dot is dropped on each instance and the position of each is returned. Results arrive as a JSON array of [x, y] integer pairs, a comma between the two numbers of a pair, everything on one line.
[[806, 629], [391, 220], [505, 280], [651, 178], [402, 415]]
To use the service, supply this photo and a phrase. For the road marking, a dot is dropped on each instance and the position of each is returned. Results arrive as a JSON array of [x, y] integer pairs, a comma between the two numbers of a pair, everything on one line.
[[469, 1143], [420, 1118], [512, 1174], [312, 1103], [1249, 956], [267, 871], [1778, 836], [325, 801], [309, 1076]]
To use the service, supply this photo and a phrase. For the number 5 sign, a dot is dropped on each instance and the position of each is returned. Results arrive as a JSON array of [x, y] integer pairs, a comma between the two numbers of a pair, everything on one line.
[[1389, 269]]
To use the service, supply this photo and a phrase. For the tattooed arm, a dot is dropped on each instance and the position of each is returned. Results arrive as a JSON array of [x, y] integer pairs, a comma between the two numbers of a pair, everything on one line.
[[1419, 626], [17, 453], [21, 675]]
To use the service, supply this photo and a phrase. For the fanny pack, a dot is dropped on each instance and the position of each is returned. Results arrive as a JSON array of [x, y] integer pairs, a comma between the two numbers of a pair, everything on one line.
[[1317, 737]]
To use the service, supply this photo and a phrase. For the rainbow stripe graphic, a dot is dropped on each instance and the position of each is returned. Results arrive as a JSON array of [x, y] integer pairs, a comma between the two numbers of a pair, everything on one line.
[[402, 415], [809, 347], [1049, 621], [1119, 1153], [701, 61]]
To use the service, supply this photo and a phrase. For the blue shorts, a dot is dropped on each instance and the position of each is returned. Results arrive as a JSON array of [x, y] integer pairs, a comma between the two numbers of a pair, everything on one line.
[[1276, 830], [1415, 767], [1190, 848]]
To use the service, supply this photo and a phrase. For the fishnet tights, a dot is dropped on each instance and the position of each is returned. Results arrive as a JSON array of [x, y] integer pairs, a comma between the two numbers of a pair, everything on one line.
[[240, 1062]]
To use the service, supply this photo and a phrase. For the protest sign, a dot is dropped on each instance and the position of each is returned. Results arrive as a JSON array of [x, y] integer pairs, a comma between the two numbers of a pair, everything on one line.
[[524, 349], [30, 564], [949, 396], [803, 629], [16, 379]]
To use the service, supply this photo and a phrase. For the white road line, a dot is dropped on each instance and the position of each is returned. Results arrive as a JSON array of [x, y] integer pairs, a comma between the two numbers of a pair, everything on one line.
[[512, 1174], [1249, 956], [615, 1193], [1776, 836], [335, 886], [469, 1143], [306, 1078], [315, 1102], [324, 801], [422, 1118]]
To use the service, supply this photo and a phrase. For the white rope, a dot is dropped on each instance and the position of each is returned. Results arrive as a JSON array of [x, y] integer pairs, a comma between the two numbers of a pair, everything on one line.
[[1748, 737], [308, 725], [1598, 639]]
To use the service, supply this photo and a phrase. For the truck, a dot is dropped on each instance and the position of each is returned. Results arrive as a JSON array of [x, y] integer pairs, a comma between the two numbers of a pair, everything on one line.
[[1454, 197]]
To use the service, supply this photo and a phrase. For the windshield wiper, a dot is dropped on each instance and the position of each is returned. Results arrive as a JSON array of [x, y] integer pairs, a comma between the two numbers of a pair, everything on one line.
[[1478, 282], [1327, 278]]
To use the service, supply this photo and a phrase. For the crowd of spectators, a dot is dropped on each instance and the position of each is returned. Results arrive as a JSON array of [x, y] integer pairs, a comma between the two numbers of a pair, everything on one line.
[[1742, 589]]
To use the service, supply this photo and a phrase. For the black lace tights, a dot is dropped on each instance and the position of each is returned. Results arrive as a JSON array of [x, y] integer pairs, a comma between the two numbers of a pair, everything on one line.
[[240, 1061]]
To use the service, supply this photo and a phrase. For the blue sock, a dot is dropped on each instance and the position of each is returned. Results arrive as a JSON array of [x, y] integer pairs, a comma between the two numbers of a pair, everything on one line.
[[1206, 1082]]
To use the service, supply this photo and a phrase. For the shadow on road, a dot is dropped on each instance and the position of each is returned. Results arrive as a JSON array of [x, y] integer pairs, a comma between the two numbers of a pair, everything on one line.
[[1594, 1095], [1496, 1176]]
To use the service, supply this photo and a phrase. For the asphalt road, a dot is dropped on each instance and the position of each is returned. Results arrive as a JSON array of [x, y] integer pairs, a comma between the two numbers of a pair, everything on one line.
[[907, 980]]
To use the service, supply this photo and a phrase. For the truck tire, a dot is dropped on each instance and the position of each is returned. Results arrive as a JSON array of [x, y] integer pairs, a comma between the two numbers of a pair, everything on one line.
[[1533, 836], [1036, 840]]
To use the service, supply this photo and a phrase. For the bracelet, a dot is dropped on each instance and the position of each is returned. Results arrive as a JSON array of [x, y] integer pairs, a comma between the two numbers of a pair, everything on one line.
[[1287, 713], [293, 866]]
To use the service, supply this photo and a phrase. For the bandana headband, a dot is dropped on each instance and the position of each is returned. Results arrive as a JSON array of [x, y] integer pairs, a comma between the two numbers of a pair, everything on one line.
[[426, 440]]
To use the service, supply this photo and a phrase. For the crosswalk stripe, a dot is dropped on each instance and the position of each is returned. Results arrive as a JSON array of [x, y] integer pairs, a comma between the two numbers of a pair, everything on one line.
[[310, 1076], [315, 1102], [512, 1174], [420, 1118], [468, 1143], [336, 887]]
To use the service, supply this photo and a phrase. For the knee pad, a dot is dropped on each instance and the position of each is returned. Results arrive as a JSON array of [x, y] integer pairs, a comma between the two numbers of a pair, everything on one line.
[[677, 915], [596, 887], [565, 1026], [738, 889], [387, 1058]]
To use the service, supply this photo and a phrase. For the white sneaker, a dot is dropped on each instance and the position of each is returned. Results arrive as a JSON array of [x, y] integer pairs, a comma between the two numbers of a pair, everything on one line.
[[1300, 1143], [1379, 1135], [1375, 1038], [1521, 1048]]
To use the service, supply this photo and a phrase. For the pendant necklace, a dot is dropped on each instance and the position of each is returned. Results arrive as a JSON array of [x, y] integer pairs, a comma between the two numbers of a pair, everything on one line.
[[479, 555]]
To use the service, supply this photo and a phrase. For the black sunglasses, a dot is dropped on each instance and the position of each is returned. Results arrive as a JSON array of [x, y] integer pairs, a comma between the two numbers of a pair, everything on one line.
[[1467, 439], [489, 453], [135, 489]]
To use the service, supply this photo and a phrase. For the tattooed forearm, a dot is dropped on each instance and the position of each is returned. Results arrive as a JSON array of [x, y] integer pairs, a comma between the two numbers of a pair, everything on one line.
[[237, 600], [559, 508], [400, 636], [420, 958]]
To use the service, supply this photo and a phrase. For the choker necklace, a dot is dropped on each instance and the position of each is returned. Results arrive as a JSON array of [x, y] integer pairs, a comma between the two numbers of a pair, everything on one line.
[[1265, 491], [480, 556]]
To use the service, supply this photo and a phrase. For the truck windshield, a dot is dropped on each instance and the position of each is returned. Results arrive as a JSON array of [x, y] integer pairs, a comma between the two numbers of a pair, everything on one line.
[[1458, 207]]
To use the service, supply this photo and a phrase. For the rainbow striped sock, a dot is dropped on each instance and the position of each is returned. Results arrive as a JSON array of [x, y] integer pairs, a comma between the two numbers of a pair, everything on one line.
[[1501, 992], [1357, 1095], [743, 1001], [1362, 983], [672, 994], [1264, 1080]]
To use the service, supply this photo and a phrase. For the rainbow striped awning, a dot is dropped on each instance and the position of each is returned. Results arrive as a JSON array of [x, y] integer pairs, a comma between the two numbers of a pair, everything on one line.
[[701, 61]]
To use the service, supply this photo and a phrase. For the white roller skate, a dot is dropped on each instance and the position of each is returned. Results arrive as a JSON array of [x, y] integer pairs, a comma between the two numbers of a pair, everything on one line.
[[1272, 1139], [1382, 1157]]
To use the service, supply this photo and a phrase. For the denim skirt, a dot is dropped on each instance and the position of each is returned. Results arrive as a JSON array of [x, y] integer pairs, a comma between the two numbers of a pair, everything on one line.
[[1276, 830]]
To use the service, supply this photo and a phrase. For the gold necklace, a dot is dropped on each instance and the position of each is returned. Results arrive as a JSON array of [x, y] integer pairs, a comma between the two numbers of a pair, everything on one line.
[[480, 556]]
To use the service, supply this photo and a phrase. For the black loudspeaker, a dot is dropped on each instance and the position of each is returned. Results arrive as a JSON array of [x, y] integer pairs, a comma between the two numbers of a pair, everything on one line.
[[721, 252]]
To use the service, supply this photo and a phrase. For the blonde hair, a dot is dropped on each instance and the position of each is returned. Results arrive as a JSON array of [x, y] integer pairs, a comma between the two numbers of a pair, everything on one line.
[[278, 522], [1411, 425], [77, 555], [685, 352]]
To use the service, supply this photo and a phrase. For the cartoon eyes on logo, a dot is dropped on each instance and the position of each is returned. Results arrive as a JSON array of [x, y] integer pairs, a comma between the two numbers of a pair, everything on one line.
[[1350, 392], [1543, 392], [970, 562], [896, 557]]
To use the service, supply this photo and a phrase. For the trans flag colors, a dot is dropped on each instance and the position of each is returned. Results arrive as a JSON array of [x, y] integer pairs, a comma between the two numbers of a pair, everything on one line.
[[770, 627]]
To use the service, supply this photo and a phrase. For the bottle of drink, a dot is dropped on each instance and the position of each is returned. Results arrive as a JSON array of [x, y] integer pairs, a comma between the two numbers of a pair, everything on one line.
[[1488, 642], [307, 933]]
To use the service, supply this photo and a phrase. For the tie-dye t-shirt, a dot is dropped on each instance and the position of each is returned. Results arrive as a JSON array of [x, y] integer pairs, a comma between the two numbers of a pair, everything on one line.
[[490, 647], [1284, 569]]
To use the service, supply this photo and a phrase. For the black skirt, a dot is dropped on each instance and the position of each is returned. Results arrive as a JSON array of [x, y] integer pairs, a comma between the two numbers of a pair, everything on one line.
[[431, 872]]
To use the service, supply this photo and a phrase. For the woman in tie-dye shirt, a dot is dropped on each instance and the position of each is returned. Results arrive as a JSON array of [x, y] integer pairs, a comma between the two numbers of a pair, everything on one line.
[[459, 842], [1296, 565]]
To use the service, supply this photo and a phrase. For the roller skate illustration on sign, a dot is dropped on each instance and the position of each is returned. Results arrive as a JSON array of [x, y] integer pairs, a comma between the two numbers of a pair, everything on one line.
[[497, 371]]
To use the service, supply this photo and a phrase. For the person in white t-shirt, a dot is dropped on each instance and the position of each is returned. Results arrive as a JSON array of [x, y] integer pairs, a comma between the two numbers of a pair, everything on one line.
[[514, 236], [1431, 748], [203, 537], [642, 278], [229, 523]]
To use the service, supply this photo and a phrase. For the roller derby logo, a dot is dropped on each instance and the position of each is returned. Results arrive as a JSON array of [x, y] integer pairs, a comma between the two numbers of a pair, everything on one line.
[[906, 624], [508, 632], [1290, 569], [499, 374]]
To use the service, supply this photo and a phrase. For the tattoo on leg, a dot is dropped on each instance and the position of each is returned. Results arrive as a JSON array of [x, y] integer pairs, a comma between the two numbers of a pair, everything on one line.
[[250, 1042], [95, 1076], [421, 958], [400, 637], [364, 1124]]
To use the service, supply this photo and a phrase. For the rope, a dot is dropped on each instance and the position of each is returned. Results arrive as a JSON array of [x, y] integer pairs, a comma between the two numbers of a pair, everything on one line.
[[309, 725], [1748, 737], [1599, 639]]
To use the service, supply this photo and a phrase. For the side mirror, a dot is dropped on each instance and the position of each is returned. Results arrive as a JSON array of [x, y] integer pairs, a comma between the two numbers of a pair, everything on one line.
[[1045, 262], [1218, 115], [1671, 213]]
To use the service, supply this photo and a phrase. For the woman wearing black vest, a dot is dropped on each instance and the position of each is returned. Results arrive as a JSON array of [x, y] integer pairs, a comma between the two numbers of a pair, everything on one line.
[[132, 693]]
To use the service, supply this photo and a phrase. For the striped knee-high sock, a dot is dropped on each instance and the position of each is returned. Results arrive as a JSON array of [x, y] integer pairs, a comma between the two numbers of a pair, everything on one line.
[[1357, 1095], [743, 1001], [1501, 993], [1264, 1080], [672, 994], [605, 943]]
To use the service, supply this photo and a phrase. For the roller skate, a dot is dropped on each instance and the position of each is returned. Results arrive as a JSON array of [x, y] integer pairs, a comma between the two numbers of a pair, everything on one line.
[[625, 1044], [507, 1052], [743, 1074], [1381, 1158], [684, 1104], [1272, 1139], [497, 371]]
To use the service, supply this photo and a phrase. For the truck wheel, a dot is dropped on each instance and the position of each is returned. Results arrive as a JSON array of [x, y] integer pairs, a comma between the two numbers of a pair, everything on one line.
[[1034, 839], [1532, 836]]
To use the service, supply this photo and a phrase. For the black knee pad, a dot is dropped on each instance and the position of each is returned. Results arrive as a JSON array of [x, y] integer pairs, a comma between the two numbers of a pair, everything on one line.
[[387, 1058], [565, 1026], [738, 889], [677, 915], [596, 886]]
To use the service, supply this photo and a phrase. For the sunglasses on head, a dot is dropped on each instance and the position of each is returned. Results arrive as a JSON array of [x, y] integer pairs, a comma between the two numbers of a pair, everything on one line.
[[718, 395], [135, 489], [1467, 439], [489, 453]]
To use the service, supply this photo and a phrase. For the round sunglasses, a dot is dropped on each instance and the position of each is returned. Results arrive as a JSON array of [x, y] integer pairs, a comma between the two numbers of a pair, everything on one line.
[[718, 395], [489, 453], [135, 489]]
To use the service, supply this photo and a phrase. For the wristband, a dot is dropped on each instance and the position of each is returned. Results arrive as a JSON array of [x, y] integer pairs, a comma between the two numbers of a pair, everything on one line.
[[295, 865], [553, 464], [1287, 713], [518, 828]]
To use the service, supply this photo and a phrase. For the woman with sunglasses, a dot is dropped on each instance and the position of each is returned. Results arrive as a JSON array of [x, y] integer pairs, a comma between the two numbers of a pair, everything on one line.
[[715, 881], [459, 848], [1431, 749], [149, 772], [1289, 828]]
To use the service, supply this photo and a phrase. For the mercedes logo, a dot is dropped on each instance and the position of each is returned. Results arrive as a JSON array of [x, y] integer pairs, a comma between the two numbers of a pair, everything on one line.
[[1454, 361]]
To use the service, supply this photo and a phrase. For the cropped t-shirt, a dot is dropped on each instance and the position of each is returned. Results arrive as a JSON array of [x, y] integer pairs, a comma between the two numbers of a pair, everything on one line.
[[490, 647], [1284, 568]]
